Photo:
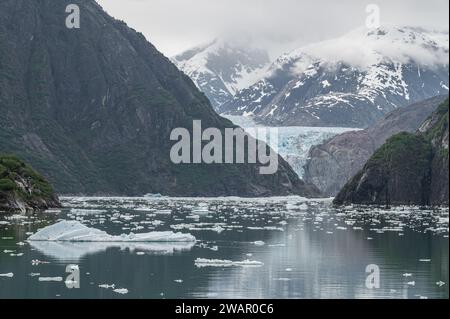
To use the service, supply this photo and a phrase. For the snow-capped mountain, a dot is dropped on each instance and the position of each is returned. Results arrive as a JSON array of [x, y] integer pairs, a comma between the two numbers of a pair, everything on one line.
[[350, 81], [222, 68]]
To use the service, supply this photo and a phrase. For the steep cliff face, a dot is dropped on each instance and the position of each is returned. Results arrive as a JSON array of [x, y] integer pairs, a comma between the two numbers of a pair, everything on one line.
[[407, 169], [334, 162], [22, 189], [93, 108]]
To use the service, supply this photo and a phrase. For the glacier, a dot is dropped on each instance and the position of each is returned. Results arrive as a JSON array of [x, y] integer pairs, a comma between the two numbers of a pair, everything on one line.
[[294, 142]]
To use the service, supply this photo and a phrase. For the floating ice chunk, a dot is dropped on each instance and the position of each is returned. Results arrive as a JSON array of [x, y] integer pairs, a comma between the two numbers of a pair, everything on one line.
[[34, 274], [425, 260], [202, 262], [74, 231], [16, 255], [259, 243], [121, 291], [440, 283], [407, 275], [36, 262], [178, 280], [8, 275], [411, 283], [74, 251], [56, 279], [163, 212]]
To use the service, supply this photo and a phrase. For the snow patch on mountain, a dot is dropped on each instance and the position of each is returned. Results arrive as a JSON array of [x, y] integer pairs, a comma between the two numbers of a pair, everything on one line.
[[350, 81], [222, 68]]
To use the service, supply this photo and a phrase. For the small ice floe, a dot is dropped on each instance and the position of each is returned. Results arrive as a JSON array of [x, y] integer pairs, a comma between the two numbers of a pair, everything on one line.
[[122, 291], [20, 243], [163, 212], [179, 281], [440, 283], [50, 279], [303, 207], [140, 253], [259, 243], [8, 251], [411, 283], [424, 260], [4, 222], [423, 297], [74, 231], [407, 275], [36, 262], [16, 255], [53, 211], [7, 275], [288, 269], [34, 274], [29, 233], [203, 262]]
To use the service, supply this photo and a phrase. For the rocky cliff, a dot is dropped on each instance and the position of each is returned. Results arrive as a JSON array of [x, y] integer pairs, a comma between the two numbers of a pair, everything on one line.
[[409, 169], [22, 189], [334, 162], [93, 108]]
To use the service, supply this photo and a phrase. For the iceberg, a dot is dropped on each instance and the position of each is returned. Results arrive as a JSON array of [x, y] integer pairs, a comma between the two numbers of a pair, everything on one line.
[[74, 231], [71, 241], [203, 262]]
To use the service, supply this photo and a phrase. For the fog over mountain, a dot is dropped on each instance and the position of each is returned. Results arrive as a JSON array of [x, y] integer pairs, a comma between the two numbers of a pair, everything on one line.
[[178, 25]]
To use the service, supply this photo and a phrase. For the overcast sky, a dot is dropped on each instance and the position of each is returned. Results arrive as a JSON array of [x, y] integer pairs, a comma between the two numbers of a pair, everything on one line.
[[176, 25]]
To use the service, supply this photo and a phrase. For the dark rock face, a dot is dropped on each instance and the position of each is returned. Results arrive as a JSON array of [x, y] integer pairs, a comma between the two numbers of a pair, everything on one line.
[[93, 108], [334, 162], [410, 169], [22, 189]]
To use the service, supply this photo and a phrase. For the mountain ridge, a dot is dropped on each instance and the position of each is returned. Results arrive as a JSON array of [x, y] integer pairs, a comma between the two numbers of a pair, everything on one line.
[[223, 67], [93, 109], [351, 81]]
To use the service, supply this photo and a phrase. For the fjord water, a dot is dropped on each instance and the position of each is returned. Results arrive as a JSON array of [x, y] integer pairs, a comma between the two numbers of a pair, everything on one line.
[[300, 249]]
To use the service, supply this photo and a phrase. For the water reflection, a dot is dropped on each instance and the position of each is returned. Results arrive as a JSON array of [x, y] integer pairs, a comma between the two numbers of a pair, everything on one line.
[[308, 250]]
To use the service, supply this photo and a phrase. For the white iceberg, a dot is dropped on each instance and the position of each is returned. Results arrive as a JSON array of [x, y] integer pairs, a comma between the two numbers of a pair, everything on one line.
[[203, 262], [71, 240], [74, 231]]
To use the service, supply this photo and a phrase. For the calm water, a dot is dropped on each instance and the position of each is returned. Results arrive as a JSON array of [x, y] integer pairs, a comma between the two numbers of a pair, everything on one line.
[[305, 249]]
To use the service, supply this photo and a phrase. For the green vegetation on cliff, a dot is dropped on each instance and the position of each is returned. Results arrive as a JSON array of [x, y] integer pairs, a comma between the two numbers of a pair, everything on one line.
[[407, 169], [22, 188]]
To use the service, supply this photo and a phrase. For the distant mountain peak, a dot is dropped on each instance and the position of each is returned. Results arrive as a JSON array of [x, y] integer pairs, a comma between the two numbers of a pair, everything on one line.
[[350, 81], [223, 67]]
